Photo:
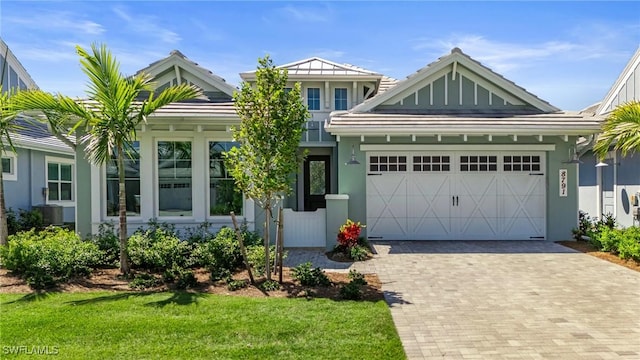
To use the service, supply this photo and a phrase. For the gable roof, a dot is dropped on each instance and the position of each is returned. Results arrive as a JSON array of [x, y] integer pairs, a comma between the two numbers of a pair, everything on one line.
[[176, 58], [626, 87], [434, 70], [318, 67], [13, 61]]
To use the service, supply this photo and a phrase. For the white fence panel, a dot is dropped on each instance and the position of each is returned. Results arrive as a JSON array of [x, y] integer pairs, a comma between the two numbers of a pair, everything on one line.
[[305, 228]]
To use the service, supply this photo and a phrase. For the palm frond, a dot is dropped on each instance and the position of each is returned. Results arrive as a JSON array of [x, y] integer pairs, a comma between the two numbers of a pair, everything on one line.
[[621, 130]]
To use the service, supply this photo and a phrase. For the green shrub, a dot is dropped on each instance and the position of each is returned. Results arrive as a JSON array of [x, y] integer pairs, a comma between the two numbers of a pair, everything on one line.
[[309, 276], [220, 255], [143, 281], [24, 220], [353, 290], [50, 256], [629, 244], [158, 249], [609, 239], [234, 285], [270, 285], [357, 277], [358, 253], [255, 254], [108, 242]]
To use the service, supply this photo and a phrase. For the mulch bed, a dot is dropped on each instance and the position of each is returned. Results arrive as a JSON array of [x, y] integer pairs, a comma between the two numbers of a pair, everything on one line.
[[587, 248], [111, 280]]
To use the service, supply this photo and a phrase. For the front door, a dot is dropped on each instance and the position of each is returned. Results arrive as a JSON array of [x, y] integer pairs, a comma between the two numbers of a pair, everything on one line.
[[317, 181]]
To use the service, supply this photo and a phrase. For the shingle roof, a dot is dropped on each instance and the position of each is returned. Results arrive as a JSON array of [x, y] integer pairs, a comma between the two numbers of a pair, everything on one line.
[[560, 123], [36, 135]]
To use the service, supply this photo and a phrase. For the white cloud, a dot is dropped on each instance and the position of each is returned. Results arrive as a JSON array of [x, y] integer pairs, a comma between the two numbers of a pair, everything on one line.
[[147, 25], [57, 21]]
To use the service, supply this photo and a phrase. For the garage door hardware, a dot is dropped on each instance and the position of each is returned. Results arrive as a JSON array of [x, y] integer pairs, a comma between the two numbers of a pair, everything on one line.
[[455, 200]]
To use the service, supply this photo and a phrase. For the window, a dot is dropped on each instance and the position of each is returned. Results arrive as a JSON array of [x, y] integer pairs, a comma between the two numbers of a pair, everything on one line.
[[131, 183], [431, 163], [174, 178], [341, 98], [387, 163], [224, 196], [9, 167], [59, 180], [521, 163], [479, 163], [313, 98]]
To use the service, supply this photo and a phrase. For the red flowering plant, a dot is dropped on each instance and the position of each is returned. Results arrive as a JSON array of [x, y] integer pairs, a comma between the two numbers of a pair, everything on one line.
[[349, 234]]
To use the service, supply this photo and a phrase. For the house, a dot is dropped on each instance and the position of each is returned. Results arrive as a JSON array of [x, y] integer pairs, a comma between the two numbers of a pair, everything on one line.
[[455, 151], [41, 170], [458, 152], [610, 186]]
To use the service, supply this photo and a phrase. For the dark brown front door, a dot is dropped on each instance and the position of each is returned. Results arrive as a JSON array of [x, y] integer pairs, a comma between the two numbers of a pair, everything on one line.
[[317, 181]]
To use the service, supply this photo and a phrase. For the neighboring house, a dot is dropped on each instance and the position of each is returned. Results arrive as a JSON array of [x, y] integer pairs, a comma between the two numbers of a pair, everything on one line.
[[454, 152], [41, 171], [608, 188]]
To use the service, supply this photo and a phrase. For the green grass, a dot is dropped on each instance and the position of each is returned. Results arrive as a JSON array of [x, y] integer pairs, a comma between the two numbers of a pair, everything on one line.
[[107, 325]]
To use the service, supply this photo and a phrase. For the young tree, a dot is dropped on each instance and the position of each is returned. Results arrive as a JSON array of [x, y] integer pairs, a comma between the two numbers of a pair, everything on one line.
[[114, 107], [8, 126], [272, 123], [621, 129]]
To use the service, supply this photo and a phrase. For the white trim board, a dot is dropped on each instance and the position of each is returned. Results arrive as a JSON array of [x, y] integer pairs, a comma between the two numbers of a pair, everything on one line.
[[457, 147]]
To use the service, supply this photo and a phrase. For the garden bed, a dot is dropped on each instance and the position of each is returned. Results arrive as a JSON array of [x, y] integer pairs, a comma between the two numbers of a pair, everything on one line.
[[589, 249], [111, 280]]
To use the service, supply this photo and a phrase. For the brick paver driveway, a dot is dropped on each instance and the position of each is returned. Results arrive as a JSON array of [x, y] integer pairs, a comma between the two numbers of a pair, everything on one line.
[[508, 300]]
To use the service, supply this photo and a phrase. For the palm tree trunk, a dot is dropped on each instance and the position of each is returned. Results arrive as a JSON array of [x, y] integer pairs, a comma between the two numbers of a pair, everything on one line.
[[122, 200], [4, 230]]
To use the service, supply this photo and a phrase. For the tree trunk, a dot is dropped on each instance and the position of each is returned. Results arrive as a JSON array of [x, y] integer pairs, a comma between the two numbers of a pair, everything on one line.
[[243, 250], [122, 199], [280, 244], [267, 240], [4, 230]]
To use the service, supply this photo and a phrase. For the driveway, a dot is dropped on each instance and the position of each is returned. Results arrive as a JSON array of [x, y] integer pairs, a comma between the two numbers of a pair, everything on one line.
[[508, 300]]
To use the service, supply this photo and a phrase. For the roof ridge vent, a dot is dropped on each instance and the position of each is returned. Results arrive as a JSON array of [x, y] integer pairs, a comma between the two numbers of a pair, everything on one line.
[[456, 50]]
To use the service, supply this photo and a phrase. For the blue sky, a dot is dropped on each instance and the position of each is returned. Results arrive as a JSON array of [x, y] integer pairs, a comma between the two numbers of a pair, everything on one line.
[[568, 53]]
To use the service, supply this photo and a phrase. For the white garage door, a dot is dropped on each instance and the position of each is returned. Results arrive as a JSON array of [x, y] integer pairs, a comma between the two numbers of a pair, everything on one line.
[[456, 196]]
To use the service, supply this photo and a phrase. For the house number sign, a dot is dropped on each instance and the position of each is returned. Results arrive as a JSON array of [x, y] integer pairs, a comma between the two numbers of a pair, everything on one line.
[[563, 182]]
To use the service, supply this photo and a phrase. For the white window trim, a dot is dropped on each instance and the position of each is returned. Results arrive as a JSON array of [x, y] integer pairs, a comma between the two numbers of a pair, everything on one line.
[[156, 180], [103, 181], [57, 160], [208, 215], [335, 97], [13, 159], [306, 98]]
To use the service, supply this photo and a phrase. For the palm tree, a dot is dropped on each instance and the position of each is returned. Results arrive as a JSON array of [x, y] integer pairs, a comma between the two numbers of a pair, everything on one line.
[[620, 130], [114, 107], [8, 126]]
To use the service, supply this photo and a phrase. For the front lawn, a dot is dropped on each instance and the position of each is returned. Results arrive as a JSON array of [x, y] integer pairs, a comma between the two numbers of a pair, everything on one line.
[[183, 325]]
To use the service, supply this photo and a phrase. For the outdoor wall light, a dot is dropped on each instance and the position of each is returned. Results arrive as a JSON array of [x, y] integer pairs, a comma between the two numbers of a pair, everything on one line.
[[353, 160], [573, 157]]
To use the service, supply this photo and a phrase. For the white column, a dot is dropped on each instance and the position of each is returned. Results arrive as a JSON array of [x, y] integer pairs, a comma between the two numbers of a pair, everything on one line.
[[199, 183], [148, 181]]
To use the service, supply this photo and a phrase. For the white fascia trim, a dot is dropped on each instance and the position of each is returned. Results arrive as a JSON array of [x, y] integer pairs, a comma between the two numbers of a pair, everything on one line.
[[451, 131], [39, 147], [451, 147], [620, 82]]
